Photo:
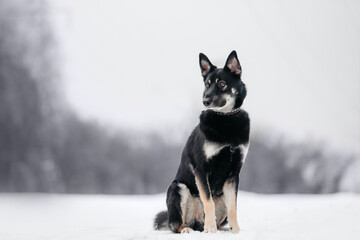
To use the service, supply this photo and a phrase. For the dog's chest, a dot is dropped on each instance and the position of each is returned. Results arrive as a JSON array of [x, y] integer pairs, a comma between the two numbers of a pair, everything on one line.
[[212, 149], [223, 162]]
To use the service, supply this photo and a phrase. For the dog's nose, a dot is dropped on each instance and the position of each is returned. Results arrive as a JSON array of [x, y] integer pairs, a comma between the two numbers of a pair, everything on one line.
[[206, 102]]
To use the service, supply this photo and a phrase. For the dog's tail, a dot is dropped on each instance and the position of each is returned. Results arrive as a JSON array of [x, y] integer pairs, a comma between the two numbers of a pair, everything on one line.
[[161, 221]]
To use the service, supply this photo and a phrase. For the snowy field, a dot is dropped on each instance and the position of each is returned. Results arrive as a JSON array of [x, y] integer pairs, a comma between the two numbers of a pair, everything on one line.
[[264, 217]]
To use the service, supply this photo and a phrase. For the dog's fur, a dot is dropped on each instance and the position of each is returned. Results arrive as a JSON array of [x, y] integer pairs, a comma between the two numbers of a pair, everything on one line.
[[203, 195]]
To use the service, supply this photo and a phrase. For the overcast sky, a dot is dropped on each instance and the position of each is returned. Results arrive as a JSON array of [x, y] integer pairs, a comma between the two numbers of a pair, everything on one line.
[[134, 64]]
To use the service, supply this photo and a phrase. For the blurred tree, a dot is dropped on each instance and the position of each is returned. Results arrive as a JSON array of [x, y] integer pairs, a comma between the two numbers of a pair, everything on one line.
[[27, 94]]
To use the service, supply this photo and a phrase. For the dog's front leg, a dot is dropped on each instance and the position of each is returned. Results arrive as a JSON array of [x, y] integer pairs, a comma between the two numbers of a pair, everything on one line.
[[208, 202], [230, 195]]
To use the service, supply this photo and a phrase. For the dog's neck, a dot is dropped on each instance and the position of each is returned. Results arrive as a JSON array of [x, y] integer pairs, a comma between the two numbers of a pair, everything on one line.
[[232, 112], [236, 110]]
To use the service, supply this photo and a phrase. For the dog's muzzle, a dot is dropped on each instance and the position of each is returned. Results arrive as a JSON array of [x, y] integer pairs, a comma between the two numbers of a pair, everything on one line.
[[207, 102]]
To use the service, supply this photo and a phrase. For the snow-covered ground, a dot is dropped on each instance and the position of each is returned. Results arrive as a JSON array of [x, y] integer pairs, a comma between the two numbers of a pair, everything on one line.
[[262, 217]]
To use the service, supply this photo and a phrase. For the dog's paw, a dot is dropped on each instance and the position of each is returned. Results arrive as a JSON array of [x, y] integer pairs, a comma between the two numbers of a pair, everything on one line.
[[235, 229], [210, 228], [186, 230], [224, 229]]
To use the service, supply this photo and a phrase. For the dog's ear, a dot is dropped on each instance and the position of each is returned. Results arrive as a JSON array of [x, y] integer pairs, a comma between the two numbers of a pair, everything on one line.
[[205, 65], [233, 64]]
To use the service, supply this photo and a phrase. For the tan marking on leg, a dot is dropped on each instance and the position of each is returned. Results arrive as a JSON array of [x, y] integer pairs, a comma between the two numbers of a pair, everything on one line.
[[185, 195], [230, 202], [209, 208]]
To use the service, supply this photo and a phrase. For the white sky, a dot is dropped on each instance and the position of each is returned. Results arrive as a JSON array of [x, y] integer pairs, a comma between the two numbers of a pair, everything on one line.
[[134, 64]]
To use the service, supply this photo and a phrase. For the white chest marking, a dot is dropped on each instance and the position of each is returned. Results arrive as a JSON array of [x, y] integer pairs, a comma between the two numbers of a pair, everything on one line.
[[212, 149]]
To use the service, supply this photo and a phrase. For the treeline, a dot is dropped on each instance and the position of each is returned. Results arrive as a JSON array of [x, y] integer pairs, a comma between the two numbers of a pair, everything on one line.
[[45, 147], [276, 165]]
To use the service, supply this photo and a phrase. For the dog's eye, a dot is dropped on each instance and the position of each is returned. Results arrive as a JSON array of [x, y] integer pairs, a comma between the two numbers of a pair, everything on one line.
[[207, 85], [221, 84]]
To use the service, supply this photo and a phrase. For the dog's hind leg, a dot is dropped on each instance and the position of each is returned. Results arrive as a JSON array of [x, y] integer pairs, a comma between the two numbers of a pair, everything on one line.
[[177, 198]]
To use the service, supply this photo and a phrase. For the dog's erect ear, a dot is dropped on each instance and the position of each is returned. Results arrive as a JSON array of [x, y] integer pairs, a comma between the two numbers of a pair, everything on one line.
[[233, 64], [205, 65]]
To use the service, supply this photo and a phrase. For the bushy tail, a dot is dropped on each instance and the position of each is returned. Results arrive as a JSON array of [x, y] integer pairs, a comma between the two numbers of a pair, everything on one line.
[[161, 221]]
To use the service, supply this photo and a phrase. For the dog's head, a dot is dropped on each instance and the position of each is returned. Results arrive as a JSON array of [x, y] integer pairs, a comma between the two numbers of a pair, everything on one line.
[[224, 90]]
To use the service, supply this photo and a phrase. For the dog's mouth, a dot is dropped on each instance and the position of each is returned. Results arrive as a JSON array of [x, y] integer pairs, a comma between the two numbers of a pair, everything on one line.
[[225, 104], [214, 105]]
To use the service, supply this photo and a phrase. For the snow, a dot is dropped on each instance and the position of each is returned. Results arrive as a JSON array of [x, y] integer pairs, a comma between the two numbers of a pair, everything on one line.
[[267, 217]]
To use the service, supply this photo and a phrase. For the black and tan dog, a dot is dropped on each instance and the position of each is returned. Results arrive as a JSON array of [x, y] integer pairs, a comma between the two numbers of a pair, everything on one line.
[[203, 195]]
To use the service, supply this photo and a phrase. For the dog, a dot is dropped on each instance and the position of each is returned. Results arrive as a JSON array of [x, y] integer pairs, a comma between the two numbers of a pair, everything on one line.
[[203, 196]]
